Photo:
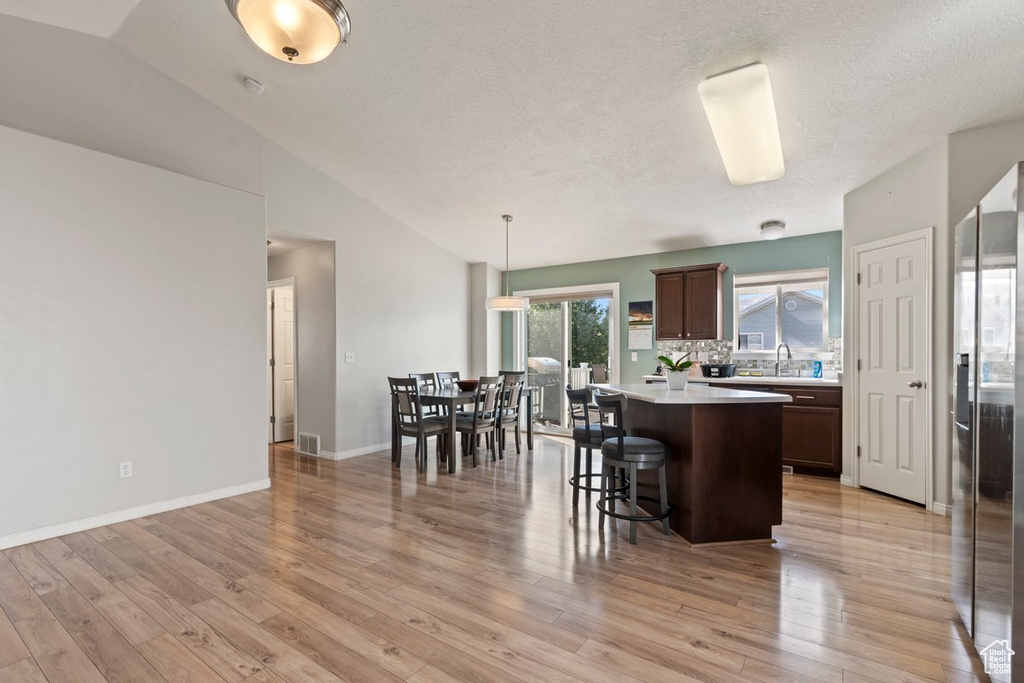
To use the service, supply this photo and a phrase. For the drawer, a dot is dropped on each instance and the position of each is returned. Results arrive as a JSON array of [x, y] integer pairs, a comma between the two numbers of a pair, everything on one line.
[[742, 386], [804, 396]]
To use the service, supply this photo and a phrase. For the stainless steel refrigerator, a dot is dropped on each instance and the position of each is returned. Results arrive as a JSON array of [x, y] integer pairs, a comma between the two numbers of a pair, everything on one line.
[[988, 462]]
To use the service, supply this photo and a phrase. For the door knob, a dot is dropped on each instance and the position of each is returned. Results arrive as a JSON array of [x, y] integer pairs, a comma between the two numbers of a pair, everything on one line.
[[915, 385]]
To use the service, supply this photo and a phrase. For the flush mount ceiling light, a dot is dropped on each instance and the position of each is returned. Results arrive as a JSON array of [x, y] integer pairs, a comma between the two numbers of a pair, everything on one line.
[[507, 302], [741, 110], [296, 31], [772, 230]]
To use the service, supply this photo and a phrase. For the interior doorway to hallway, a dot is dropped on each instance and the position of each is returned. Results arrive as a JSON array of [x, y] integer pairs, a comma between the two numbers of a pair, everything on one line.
[[281, 361]]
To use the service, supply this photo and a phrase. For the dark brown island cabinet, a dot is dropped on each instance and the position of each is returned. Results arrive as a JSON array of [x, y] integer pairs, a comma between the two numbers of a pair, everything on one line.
[[688, 302], [812, 426]]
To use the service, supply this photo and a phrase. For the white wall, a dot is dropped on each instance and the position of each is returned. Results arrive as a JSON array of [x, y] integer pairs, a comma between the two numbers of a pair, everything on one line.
[[908, 197], [315, 329], [131, 329], [403, 301], [485, 326], [936, 187]]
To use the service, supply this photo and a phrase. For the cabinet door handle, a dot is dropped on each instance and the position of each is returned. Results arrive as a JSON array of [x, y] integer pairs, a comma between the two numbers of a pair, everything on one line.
[[808, 398]]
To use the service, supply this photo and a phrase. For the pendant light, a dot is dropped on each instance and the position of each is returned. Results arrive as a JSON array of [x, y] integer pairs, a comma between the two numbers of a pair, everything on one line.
[[296, 31], [507, 302]]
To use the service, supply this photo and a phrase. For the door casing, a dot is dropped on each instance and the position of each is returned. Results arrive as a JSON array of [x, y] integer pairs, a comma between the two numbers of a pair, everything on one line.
[[290, 281], [853, 477]]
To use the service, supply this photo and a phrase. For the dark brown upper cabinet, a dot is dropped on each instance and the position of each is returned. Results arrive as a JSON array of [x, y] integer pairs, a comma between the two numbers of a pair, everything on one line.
[[688, 302]]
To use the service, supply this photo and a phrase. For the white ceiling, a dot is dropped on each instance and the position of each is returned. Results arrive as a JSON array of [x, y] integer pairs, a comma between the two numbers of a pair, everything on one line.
[[98, 18], [582, 119]]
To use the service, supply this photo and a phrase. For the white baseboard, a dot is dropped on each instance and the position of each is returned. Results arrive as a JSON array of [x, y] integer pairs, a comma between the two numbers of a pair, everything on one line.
[[942, 509], [64, 528], [846, 480], [356, 452]]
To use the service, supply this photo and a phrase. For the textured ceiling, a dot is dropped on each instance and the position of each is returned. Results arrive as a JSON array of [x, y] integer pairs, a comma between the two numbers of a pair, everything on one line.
[[582, 118], [100, 18]]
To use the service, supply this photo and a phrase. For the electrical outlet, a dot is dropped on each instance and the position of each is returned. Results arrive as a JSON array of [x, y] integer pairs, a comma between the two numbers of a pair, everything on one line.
[[350, 357], [126, 470]]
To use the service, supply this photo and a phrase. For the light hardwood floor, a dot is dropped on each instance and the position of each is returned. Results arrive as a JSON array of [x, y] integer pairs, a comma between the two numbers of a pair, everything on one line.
[[354, 571]]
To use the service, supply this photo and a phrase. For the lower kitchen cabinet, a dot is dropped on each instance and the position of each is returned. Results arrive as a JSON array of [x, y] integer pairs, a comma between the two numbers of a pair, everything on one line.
[[812, 426], [812, 429], [811, 438]]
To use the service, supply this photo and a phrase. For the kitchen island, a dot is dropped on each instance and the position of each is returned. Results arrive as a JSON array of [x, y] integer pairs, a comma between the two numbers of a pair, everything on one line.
[[724, 464]]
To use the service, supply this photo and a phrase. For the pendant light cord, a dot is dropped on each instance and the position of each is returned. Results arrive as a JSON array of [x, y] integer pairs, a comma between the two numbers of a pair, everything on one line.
[[508, 219]]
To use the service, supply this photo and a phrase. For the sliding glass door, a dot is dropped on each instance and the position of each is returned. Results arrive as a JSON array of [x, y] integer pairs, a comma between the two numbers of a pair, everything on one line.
[[569, 338]]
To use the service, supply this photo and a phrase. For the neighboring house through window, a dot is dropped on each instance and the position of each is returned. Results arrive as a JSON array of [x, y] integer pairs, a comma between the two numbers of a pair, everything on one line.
[[790, 307]]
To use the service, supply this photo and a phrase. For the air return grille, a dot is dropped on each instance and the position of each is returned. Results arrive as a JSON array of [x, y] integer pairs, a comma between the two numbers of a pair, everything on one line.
[[309, 444]]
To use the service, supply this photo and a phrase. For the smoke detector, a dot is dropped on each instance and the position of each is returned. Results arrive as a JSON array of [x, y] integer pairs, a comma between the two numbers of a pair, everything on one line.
[[252, 85]]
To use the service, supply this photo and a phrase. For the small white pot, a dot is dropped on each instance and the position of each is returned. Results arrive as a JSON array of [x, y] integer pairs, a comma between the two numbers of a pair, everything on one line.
[[677, 380]]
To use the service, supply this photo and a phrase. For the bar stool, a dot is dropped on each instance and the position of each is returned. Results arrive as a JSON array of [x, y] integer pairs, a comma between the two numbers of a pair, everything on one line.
[[633, 453], [586, 436]]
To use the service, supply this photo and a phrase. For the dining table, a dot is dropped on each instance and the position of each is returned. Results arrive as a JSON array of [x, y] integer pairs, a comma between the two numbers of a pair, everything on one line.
[[451, 398]]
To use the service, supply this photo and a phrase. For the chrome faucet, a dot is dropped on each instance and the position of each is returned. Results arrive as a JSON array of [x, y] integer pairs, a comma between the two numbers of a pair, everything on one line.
[[778, 352]]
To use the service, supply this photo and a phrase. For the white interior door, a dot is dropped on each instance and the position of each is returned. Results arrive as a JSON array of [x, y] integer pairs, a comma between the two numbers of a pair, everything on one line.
[[270, 364], [284, 363], [893, 337]]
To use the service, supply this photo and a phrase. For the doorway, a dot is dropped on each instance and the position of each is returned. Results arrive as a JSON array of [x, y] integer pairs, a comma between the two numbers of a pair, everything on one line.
[[569, 336], [281, 374], [892, 380]]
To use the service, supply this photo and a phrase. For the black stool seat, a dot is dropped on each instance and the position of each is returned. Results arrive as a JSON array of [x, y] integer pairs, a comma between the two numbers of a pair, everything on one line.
[[635, 449], [620, 451], [589, 433]]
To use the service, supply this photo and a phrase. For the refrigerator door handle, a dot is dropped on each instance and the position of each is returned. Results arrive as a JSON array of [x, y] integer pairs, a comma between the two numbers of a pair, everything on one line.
[[962, 406]]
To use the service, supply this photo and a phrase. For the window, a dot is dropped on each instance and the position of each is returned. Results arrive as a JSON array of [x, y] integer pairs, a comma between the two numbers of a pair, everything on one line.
[[789, 307]]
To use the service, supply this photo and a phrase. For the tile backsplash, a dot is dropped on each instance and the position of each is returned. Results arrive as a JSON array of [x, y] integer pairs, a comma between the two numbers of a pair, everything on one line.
[[720, 351]]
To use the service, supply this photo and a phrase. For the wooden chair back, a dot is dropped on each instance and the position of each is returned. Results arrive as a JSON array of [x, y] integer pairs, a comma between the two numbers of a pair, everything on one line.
[[579, 407], [405, 401], [447, 379], [514, 383], [425, 382], [488, 398], [612, 407]]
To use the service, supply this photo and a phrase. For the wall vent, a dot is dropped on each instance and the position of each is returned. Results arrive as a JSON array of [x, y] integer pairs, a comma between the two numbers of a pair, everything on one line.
[[787, 469], [308, 444]]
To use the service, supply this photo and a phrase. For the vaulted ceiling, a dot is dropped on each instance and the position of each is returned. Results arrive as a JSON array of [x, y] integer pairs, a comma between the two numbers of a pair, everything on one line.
[[582, 118]]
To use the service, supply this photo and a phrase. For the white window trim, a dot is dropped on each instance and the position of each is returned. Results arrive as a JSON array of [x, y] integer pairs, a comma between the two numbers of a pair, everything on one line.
[[778, 279]]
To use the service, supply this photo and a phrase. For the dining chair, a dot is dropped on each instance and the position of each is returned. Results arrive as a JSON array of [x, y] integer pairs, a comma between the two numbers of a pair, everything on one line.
[[426, 381], [410, 421], [485, 413], [447, 379], [513, 395]]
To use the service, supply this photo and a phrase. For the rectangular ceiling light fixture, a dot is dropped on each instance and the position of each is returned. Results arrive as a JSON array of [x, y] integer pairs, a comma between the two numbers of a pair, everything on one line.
[[741, 110]]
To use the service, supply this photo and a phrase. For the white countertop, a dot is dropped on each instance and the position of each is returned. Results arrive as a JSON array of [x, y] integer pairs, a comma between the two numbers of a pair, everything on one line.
[[693, 394], [792, 381]]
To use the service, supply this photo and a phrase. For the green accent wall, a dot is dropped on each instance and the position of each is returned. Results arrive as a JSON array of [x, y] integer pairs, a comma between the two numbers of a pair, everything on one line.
[[636, 283]]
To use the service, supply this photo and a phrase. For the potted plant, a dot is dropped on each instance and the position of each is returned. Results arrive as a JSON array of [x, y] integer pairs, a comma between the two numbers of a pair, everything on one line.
[[678, 370]]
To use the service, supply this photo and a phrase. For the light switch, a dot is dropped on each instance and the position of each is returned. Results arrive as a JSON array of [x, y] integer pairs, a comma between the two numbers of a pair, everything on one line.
[[350, 357], [632, 356]]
